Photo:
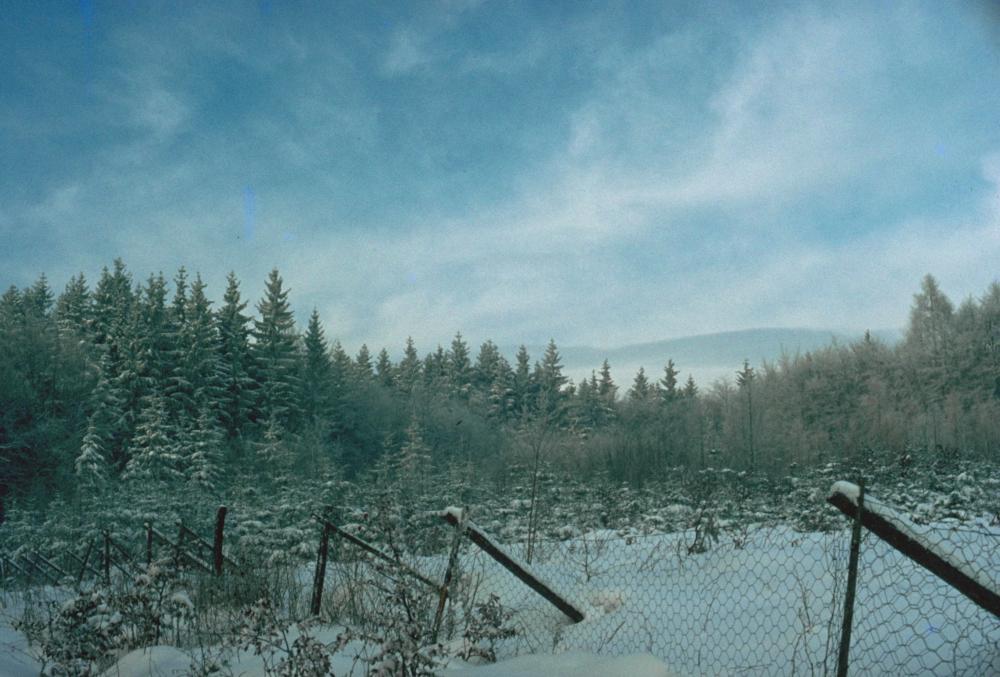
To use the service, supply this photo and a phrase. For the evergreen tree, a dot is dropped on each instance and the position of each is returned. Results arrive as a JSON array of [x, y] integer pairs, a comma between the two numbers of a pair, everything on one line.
[[409, 373], [745, 379], [275, 357], [91, 465], [384, 370], [459, 368], [363, 363], [316, 374], [524, 386], [690, 389], [235, 363], [668, 384], [73, 309], [203, 463], [155, 454], [641, 391]]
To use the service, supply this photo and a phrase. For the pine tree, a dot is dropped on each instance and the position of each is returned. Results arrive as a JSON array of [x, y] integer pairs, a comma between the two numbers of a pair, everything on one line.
[[641, 390], [384, 370], [73, 309], [415, 460], [744, 379], [459, 368], [155, 454], [91, 465], [409, 373], [524, 386], [316, 373], [275, 357], [203, 462], [235, 363], [668, 384], [363, 363]]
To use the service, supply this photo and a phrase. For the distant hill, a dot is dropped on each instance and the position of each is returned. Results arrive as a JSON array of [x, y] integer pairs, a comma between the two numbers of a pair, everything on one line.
[[707, 357]]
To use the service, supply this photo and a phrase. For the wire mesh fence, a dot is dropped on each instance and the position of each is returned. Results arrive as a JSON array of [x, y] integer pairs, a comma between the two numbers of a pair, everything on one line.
[[763, 600], [724, 597]]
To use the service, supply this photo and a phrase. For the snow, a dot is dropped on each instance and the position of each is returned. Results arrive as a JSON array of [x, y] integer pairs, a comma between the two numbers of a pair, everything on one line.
[[569, 664], [942, 541]]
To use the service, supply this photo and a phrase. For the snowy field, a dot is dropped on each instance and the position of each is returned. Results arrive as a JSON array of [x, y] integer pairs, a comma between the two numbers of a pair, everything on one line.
[[766, 603]]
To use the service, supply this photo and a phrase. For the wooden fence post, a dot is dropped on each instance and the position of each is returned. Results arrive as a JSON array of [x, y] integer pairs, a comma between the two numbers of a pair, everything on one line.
[[220, 525], [107, 558], [320, 576], [852, 583], [149, 545]]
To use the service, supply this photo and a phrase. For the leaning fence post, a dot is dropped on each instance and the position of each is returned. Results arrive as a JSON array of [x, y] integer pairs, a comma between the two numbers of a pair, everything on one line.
[[456, 542], [107, 558], [852, 582], [320, 576], [220, 525]]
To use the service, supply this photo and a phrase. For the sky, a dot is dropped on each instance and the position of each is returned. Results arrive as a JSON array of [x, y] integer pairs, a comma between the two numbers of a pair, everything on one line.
[[599, 173]]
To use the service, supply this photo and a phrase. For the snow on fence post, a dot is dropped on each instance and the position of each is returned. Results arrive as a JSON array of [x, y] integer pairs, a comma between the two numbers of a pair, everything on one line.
[[852, 584], [477, 536], [456, 542], [220, 525], [320, 576], [892, 529]]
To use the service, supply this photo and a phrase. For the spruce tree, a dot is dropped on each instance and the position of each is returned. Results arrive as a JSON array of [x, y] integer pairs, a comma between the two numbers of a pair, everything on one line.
[[316, 373], [276, 357], [155, 454], [384, 369], [409, 372], [668, 384], [363, 363], [641, 390], [459, 368], [235, 363]]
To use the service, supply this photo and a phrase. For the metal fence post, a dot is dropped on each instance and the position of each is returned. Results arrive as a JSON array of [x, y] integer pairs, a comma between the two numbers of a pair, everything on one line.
[[852, 582]]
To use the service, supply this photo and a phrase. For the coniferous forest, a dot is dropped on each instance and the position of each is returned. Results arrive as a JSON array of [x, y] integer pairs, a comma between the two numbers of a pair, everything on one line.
[[128, 379]]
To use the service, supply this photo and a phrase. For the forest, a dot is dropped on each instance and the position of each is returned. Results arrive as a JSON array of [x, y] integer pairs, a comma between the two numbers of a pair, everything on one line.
[[126, 381]]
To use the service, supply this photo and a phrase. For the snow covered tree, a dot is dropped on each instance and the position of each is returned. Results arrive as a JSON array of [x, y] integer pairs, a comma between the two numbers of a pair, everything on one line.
[[91, 466], [155, 454], [203, 460]]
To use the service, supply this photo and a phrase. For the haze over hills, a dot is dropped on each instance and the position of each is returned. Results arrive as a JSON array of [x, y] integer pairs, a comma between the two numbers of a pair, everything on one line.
[[707, 357]]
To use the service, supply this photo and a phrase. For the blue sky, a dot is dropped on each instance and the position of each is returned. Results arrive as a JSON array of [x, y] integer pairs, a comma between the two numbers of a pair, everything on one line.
[[600, 173]]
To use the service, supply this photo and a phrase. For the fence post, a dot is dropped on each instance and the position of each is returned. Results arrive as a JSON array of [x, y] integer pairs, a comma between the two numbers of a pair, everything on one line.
[[852, 582], [456, 542], [320, 576], [107, 558], [220, 525], [149, 545]]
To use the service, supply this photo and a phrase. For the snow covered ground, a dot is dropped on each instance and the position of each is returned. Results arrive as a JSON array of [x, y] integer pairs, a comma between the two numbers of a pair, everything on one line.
[[762, 602]]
